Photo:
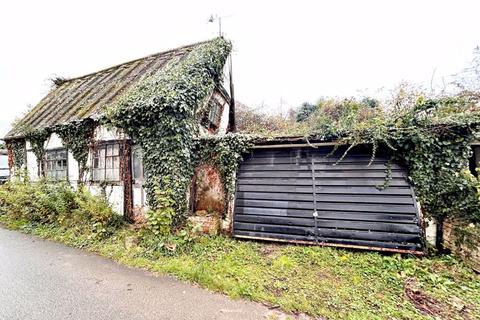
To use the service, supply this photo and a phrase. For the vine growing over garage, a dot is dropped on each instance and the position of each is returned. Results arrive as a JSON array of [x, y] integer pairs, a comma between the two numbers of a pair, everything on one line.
[[160, 114], [431, 136]]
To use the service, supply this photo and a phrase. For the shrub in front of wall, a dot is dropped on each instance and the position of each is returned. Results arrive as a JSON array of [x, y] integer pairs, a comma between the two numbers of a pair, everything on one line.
[[95, 211], [37, 202], [44, 202], [160, 219]]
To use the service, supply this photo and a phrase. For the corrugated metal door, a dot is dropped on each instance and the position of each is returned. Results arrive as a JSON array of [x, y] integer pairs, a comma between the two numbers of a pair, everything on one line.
[[300, 194]]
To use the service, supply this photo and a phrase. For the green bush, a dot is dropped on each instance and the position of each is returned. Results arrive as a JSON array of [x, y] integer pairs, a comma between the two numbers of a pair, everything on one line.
[[160, 220], [43, 202]]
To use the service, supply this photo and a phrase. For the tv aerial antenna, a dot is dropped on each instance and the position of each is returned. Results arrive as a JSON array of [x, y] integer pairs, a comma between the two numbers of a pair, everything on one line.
[[218, 18]]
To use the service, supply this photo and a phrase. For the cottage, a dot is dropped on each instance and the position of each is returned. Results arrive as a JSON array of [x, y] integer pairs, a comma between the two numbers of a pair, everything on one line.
[[286, 189], [114, 162]]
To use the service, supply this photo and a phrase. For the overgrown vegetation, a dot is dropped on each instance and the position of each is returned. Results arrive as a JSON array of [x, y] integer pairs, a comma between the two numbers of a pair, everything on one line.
[[430, 133], [17, 157], [76, 136], [161, 115], [57, 204], [325, 282], [432, 137], [253, 121], [225, 153]]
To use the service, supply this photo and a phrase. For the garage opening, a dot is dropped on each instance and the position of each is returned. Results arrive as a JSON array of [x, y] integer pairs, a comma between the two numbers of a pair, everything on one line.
[[306, 195]]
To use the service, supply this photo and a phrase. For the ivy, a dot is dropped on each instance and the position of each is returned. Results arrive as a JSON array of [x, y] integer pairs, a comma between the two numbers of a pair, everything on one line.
[[77, 137], [431, 137], [225, 153], [18, 153], [161, 114], [37, 140]]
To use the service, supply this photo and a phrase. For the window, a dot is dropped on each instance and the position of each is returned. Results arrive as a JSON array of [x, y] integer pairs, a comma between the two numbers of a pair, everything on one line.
[[214, 112], [137, 164], [106, 162], [56, 164]]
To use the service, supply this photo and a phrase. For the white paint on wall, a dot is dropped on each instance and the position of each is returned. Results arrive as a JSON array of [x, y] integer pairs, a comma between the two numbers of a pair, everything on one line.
[[138, 198], [72, 169], [114, 196], [53, 142], [114, 193], [32, 166], [224, 120], [105, 134], [430, 231]]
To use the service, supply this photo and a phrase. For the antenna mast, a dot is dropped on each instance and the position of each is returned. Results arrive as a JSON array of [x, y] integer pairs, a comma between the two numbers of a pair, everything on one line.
[[218, 18]]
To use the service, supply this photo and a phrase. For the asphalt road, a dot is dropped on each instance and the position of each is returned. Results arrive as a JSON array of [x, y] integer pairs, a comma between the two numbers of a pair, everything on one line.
[[45, 280]]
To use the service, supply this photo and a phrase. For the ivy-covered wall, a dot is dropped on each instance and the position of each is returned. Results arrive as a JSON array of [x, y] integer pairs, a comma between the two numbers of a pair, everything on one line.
[[162, 115]]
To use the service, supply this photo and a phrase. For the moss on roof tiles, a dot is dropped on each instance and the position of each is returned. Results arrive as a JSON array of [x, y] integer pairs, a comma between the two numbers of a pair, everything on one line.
[[83, 97]]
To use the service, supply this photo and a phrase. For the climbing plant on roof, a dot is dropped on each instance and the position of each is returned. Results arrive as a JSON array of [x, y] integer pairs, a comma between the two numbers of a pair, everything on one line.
[[160, 114]]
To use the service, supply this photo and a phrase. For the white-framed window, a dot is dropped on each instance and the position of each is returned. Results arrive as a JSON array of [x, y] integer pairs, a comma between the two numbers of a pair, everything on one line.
[[106, 162], [56, 164]]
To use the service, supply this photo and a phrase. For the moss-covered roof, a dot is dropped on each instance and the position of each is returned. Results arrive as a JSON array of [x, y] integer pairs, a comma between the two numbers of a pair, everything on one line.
[[84, 97]]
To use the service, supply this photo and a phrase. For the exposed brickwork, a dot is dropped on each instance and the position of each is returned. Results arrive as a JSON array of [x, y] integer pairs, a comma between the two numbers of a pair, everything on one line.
[[208, 191]]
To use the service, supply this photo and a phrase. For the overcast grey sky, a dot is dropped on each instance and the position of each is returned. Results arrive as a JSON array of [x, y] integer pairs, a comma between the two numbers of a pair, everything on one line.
[[286, 52]]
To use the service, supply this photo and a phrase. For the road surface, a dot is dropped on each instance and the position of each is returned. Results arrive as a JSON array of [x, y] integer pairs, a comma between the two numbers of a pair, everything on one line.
[[40, 279]]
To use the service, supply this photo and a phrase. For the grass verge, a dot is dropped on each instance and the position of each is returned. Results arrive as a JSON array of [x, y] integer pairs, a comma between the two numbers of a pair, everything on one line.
[[321, 282]]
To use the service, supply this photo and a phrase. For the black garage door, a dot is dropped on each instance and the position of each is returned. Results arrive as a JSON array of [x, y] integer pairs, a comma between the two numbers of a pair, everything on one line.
[[343, 204]]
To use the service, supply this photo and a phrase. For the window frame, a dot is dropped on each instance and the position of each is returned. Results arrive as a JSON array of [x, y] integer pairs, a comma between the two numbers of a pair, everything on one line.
[[214, 111], [104, 145], [136, 151], [45, 168], [212, 117]]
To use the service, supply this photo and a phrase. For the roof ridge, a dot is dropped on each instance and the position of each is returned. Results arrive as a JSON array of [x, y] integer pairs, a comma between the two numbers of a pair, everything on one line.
[[135, 60]]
